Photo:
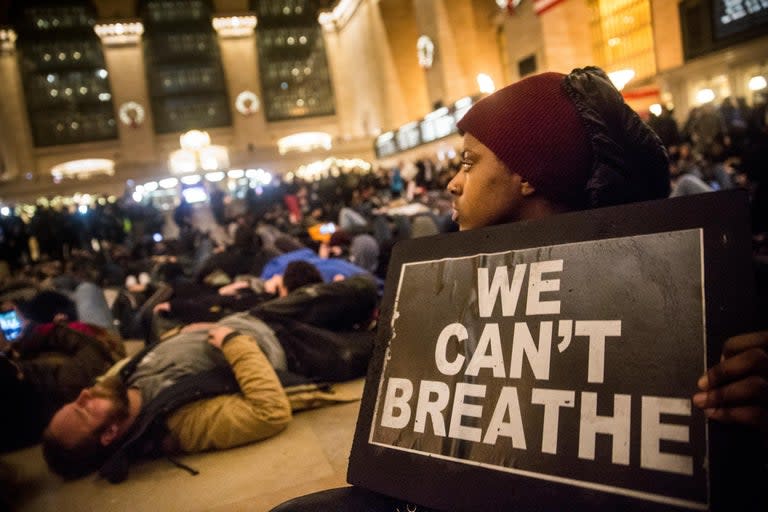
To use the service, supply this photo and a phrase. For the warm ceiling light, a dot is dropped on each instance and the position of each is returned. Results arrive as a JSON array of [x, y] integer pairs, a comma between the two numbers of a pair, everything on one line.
[[194, 195], [234, 26], [194, 140], [329, 166], [705, 96], [215, 177], [340, 14], [183, 161], [84, 168], [192, 179], [259, 176], [304, 141], [213, 158], [168, 183], [115, 34], [621, 77], [485, 83], [7, 40], [326, 20], [757, 83]]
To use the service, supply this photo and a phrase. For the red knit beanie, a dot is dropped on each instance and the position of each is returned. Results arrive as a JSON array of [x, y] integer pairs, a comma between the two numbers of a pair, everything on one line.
[[533, 127]]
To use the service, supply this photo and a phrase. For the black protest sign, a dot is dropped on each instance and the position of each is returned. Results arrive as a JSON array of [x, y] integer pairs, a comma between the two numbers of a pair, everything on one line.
[[513, 363], [553, 367]]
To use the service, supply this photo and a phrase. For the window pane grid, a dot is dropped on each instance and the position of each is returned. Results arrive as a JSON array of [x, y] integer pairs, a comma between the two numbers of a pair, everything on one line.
[[186, 80], [293, 67], [622, 36], [52, 21], [66, 85], [172, 12], [39, 56]]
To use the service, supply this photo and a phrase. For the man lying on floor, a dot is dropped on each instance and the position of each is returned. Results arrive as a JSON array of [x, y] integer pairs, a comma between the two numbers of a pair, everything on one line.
[[210, 386]]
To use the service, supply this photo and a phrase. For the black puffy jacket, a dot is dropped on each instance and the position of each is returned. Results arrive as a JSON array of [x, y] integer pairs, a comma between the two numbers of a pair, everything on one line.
[[630, 162]]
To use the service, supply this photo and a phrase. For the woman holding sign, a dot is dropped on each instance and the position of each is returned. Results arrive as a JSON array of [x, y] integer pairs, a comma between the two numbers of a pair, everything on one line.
[[546, 145], [556, 143]]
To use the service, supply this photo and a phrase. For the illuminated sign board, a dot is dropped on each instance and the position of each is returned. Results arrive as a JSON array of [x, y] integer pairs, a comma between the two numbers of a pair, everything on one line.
[[436, 125], [735, 16]]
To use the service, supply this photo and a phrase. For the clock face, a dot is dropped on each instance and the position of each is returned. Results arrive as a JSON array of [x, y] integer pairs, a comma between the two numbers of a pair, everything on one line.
[[426, 51]]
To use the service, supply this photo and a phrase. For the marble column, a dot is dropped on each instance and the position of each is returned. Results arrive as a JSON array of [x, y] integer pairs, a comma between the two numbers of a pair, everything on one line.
[[240, 59], [124, 58], [446, 80]]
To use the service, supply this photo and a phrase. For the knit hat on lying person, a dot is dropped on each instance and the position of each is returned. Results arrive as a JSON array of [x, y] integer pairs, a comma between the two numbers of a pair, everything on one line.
[[573, 138]]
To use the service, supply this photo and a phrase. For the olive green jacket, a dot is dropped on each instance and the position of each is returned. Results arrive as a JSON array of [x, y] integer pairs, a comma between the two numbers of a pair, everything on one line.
[[261, 409]]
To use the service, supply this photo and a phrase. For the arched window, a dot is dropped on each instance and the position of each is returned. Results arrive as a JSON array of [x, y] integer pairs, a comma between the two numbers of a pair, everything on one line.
[[186, 81], [622, 36], [293, 68], [66, 84]]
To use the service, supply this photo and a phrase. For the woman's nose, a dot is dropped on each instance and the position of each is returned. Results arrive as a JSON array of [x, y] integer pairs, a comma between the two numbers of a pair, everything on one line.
[[453, 187]]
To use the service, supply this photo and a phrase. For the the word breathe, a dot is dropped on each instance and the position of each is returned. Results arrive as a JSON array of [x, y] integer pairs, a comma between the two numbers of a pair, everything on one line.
[[479, 399]]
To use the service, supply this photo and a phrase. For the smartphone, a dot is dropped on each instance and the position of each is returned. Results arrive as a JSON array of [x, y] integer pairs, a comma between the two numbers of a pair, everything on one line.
[[10, 324], [328, 229]]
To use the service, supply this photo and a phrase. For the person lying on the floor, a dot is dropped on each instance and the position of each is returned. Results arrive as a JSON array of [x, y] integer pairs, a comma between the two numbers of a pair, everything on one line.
[[182, 393], [195, 303], [322, 331], [329, 268], [51, 358], [196, 391], [205, 305], [246, 255]]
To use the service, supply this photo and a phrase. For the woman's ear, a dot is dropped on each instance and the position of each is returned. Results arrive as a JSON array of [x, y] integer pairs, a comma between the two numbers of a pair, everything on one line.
[[526, 188]]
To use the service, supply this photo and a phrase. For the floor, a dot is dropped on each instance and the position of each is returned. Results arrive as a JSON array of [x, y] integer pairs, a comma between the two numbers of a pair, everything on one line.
[[310, 455]]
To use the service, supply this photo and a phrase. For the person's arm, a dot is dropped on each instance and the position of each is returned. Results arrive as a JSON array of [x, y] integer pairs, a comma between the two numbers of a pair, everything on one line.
[[338, 305], [260, 410], [232, 289], [190, 309], [55, 337], [736, 389], [8, 359], [5, 346]]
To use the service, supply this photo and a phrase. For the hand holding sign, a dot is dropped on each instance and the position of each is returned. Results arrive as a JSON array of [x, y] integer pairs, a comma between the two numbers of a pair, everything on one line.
[[736, 389]]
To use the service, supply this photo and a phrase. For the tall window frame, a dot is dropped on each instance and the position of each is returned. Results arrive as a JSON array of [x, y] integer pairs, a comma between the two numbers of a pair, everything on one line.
[[622, 36], [187, 86], [66, 83], [293, 66]]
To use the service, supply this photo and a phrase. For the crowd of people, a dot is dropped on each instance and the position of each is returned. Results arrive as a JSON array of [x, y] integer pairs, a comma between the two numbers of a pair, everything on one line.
[[239, 336], [719, 147]]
